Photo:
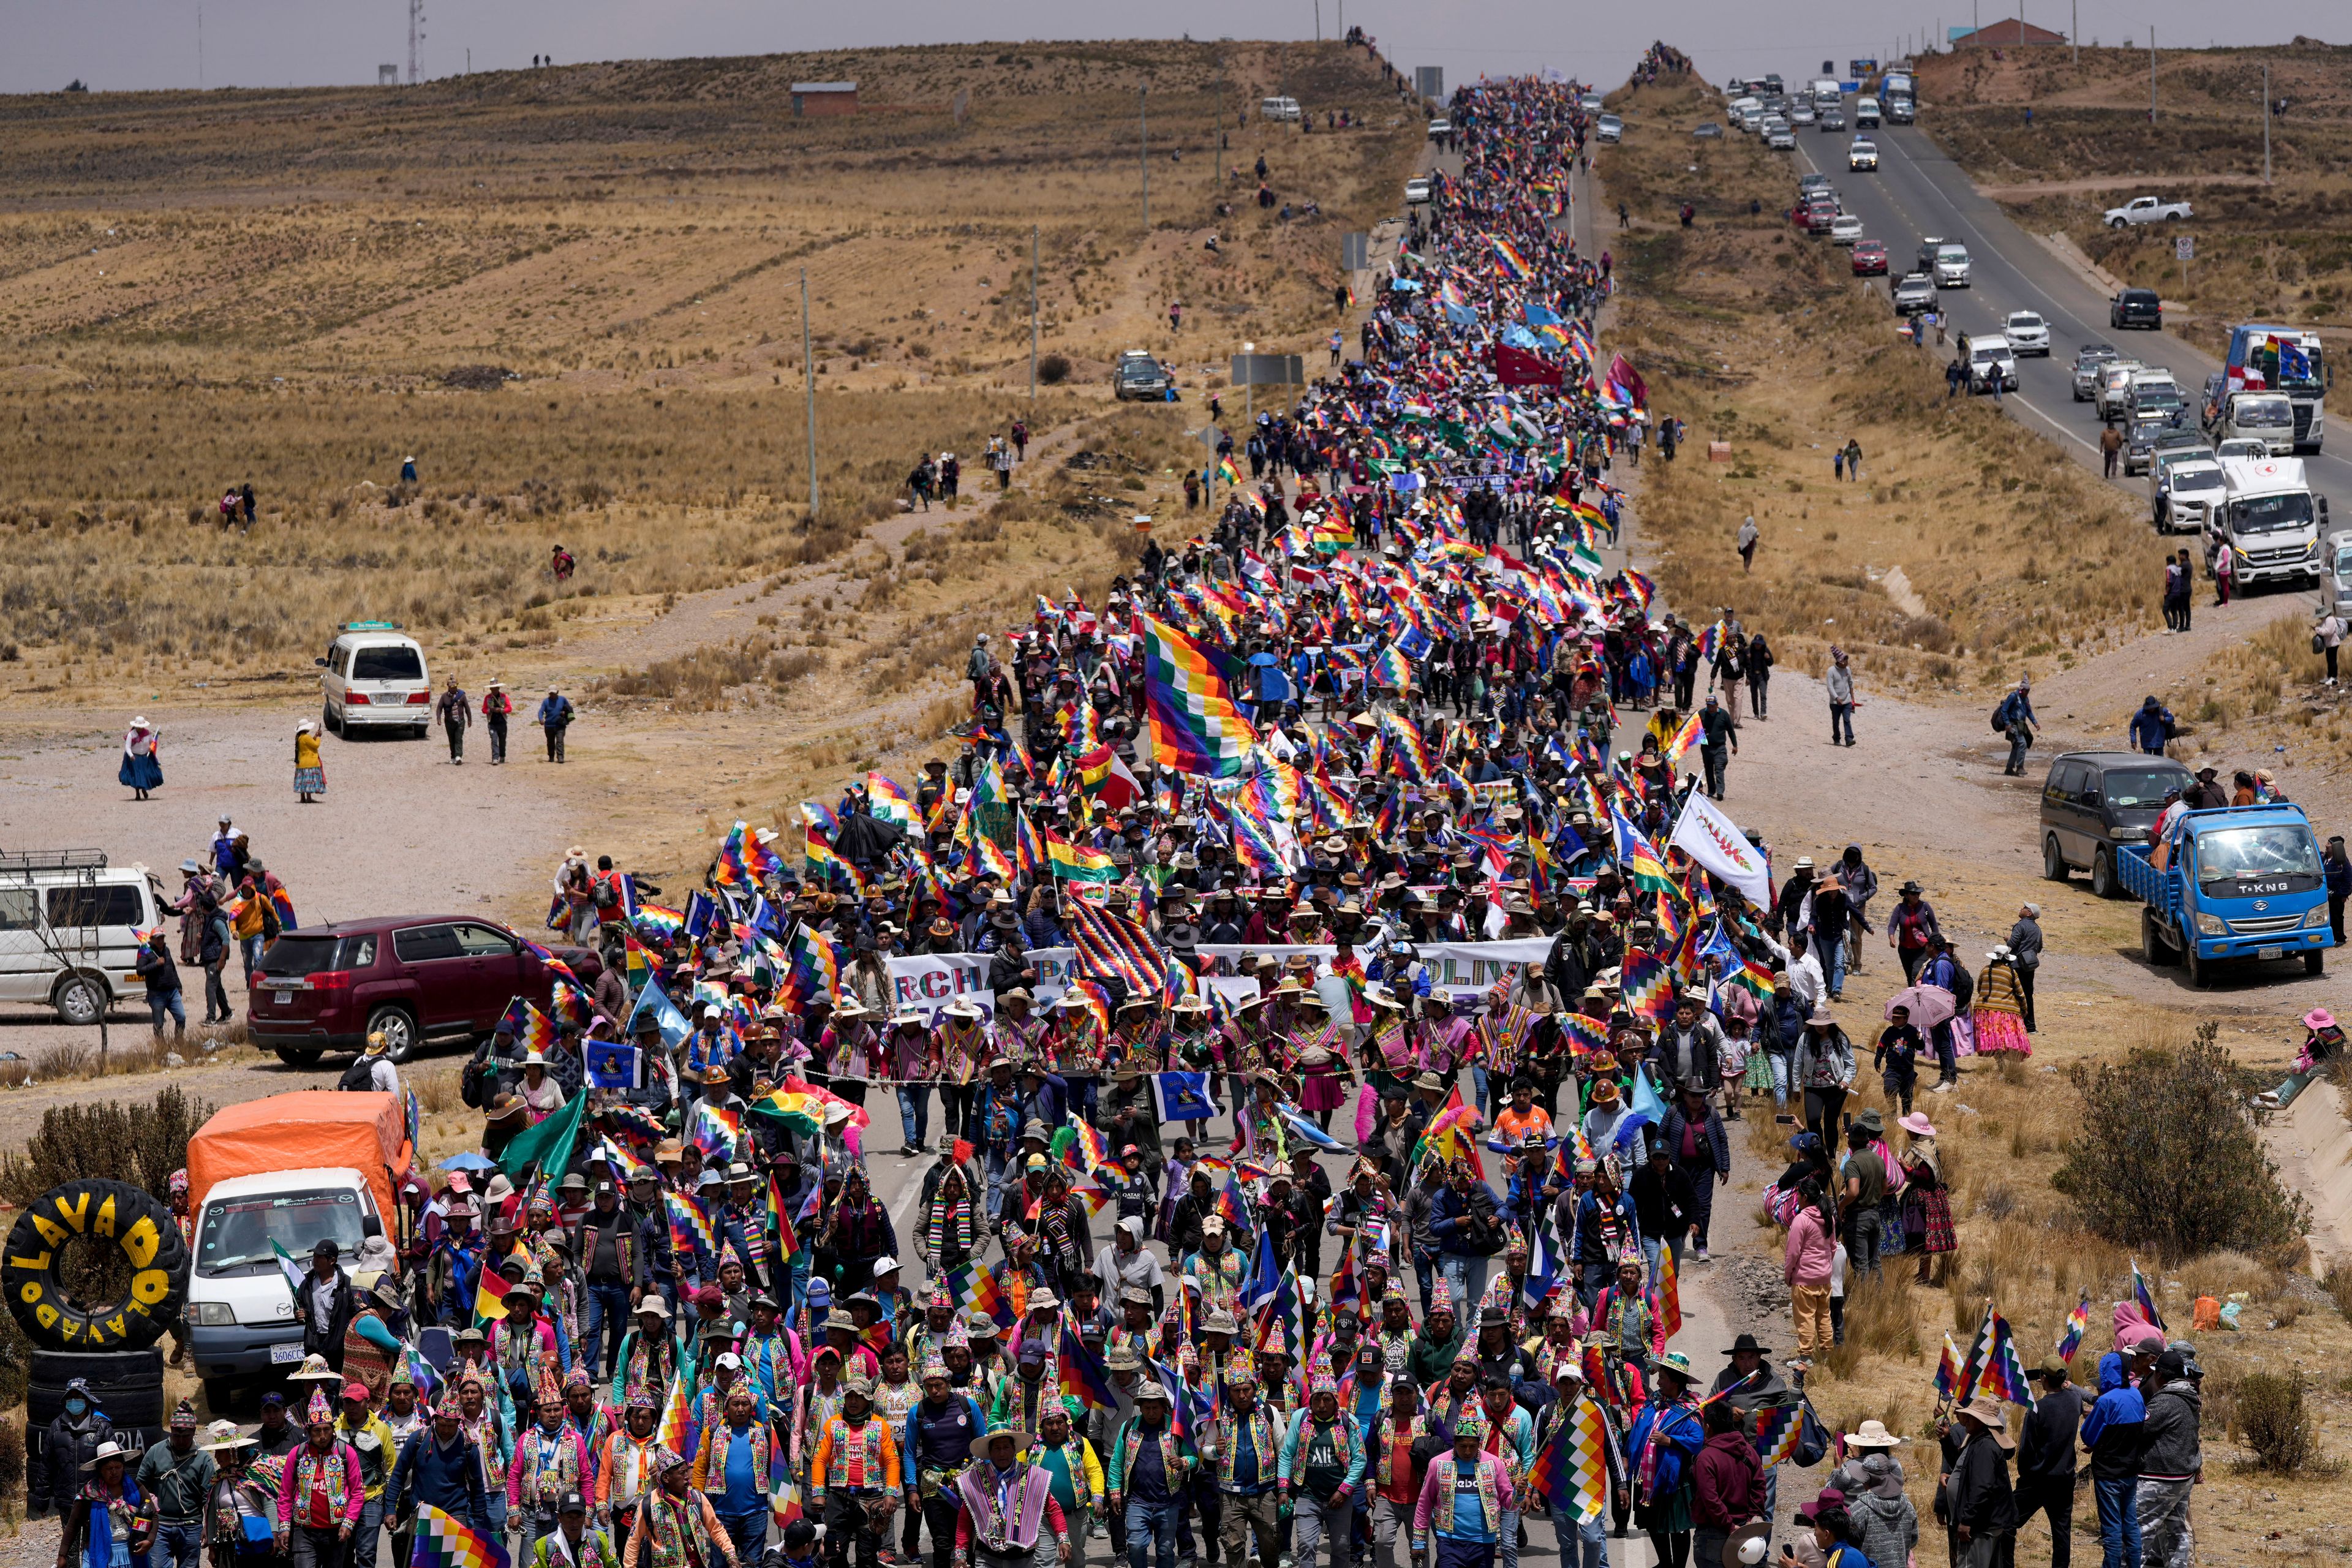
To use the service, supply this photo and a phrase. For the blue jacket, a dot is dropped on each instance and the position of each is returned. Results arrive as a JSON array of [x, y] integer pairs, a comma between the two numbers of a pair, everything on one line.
[[2015, 706], [2112, 1431], [449, 1479], [2148, 727], [1677, 1451]]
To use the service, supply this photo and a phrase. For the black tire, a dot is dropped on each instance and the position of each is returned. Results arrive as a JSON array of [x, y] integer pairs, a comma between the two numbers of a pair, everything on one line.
[[2314, 962], [399, 1028], [122, 1407], [2201, 975], [2054, 860], [2152, 945], [137, 1222], [79, 999], [327, 718], [2102, 876], [304, 1057]]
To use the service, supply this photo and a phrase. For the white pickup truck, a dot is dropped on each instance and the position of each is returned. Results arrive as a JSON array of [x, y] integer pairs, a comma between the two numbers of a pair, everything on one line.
[[2146, 209]]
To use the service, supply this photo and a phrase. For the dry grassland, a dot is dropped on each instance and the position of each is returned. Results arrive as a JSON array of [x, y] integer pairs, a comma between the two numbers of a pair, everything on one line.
[[1758, 336], [2279, 253], [575, 296]]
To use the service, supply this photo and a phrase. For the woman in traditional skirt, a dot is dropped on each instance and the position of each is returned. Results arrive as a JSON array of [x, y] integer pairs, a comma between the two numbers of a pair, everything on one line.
[[310, 777], [1999, 1011], [1319, 1056], [141, 771], [1927, 1206]]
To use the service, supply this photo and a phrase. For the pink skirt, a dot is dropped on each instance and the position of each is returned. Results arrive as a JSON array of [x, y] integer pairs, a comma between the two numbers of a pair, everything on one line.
[[2002, 1033], [1319, 1090]]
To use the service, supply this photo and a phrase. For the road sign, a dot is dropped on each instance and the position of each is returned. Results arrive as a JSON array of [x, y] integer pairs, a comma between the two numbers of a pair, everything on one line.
[[1269, 370], [1862, 67], [2184, 247]]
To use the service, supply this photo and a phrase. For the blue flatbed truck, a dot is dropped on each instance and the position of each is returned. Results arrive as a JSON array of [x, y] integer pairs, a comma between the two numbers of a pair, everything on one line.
[[2240, 882]]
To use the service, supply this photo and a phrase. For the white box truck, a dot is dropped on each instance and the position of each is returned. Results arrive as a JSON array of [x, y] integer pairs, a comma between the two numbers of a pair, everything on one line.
[[2270, 521]]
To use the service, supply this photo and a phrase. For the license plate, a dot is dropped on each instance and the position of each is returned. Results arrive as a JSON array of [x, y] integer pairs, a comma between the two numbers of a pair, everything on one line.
[[2269, 952], [281, 997], [286, 1354]]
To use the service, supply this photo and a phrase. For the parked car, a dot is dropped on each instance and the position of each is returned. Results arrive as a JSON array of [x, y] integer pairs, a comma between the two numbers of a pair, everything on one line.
[[2183, 488], [69, 931], [1140, 377], [2113, 394], [2094, 800], [1708, 130], [2136, 307], [2241, 446], [2339, 573], [2145, 209], [1914, 294], [1779, 138], [1285, 108], [1440, 129], [1609, 128], [1862, 155], [1807, 184], [1991, 362], [1820, 216], [2088, 361], [1416, 191], [411, 978], [373, 677], [1844, 230], [2027, 332], [1869, 258]]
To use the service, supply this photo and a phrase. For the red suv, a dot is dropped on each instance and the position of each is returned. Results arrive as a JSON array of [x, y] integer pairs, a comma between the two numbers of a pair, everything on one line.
[[416, 978], [1869, 257]]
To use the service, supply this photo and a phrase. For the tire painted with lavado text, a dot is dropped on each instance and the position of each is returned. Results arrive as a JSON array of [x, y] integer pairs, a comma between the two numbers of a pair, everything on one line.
[[102, 1214]]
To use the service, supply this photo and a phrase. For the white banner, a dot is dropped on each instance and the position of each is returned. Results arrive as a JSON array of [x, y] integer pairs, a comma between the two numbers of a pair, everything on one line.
[[1715, 841], [1453, 966], [926, 983]]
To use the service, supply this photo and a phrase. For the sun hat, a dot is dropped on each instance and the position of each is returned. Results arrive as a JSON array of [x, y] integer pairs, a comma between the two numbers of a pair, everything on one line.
[[1987, 1414], [1872, 1433], [2319, 1018], [1917, 1124]]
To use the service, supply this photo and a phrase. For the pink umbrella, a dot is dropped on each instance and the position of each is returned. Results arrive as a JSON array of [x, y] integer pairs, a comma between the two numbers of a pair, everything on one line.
[[1929, 1004]]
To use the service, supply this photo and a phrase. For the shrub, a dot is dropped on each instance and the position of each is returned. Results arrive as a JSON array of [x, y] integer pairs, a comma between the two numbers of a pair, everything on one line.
[[2168, 1161], [2278, 1425], [12, 1459], [2339, 1284], [1053, 370], [138, 1142]]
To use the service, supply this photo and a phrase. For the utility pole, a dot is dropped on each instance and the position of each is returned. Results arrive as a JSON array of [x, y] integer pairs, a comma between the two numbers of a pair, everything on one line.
[[1033, 315], [1143, 151], [808, 376], [1318, 21], [200, 54], [2151, 73], [2074, 30], [415, 37]]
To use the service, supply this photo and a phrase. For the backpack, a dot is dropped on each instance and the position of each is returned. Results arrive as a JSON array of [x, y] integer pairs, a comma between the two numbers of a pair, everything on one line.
[[2001, 716], [359, 1075], [606, 895]]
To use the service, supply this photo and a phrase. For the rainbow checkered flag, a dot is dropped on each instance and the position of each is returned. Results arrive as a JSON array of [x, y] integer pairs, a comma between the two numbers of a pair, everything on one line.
[[2078, 1323], [442, 1543]]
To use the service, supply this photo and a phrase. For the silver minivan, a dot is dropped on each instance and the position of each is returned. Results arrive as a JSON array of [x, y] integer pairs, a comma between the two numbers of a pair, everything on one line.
[[70, 927], [2339, 573], [374, 677]]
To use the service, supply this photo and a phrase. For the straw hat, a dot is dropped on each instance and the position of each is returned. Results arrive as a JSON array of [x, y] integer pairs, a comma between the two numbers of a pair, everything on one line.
[[1872, 1433]]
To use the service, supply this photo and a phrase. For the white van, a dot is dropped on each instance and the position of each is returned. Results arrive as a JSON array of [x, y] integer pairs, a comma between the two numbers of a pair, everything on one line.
[[240, 1316], [374, 677], [2264, 416], [70, 927], [1278, 108], [1865, 114]]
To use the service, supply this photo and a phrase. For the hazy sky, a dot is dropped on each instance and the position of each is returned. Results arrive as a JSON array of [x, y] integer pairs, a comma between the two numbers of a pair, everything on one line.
[[129, 44]]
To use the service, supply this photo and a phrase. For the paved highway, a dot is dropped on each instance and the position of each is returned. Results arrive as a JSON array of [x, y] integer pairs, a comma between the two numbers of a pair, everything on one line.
[[1919, 191]]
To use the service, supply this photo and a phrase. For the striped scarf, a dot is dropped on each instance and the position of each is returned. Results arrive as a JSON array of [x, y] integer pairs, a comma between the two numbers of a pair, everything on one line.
[[952, 1219]]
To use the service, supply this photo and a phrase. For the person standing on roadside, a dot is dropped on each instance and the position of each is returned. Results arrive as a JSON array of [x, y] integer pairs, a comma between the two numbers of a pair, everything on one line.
[[1840, 684], [1718, 742], [1861, 885], [2329, 634], [1749, 535], [497, 707], [456, 711], [1853, 459], [555, 715], [2045, 1460], [2111, 446], [2338, 870], [2225, 573], [2025, 942]]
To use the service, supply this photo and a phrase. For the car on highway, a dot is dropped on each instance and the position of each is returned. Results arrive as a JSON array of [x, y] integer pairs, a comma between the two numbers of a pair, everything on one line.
[[2136, 307], [2088, 361], [2339, 572], [1779, 138], [1821, 214], [1139, 376], [1416, 191], [1609, 128], [2113, 388], [1901, 110], [2145, 209], [1801, 113], [1951, 270], [1589, 102], [1807, 184], [1832, 119], [2183, 487], [1991, 364], [1844, 230], [1870, 257], [1440, 129], [410, 978], [1708, 130], [2027, 332], [2157, 413], [1863, 155], [1865, 114], [1913, 293]]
